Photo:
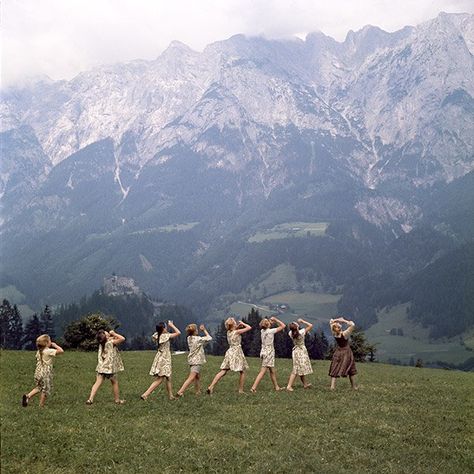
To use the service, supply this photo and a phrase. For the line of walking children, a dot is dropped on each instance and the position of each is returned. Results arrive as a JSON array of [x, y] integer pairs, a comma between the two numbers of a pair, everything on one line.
[[109, 361]]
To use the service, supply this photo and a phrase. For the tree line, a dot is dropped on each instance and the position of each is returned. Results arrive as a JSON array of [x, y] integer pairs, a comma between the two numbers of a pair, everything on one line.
[[80, 334], [15, 335]]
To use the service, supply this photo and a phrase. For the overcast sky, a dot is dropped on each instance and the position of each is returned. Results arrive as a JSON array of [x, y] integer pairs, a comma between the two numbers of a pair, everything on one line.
[[63, 37]]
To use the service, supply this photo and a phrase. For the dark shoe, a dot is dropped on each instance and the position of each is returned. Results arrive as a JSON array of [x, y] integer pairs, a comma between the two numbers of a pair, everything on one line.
[[24, 400]]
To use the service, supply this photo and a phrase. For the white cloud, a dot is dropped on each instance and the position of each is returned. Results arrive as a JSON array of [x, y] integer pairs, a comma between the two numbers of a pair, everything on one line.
[[63, 37]]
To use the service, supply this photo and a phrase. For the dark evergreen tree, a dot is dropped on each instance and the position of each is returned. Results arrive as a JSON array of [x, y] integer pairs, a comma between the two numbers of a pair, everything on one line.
[[5, 316], [283, 344], [32, 331], [219, 343], [251, 341], [15, 330], [317, 345], [47, 323], [142, 342]]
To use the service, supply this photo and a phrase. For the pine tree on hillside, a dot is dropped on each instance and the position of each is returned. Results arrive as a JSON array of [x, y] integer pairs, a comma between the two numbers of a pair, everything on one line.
[[15, 330], [33, 329], [5, 316], [283, 344], [251, 340], [318, 345], [219, 343], [47, 323]]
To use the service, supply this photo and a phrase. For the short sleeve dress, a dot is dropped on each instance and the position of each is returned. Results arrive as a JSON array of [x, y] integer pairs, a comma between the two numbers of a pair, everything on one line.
[[234, 358], [301, 362], [343, 363], [161, 366], [44, 370], [196, 345], [109, 361], [267, 352]]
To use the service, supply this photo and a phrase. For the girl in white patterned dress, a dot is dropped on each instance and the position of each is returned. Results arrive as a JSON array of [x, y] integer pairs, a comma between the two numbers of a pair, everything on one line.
[[161, 367], [301, 362], [109, 364], [234, 358], [267, 352], [45, 354], [196, 357]]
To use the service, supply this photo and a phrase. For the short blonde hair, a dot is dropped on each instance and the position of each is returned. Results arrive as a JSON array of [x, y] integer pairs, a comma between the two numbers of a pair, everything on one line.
[[191, 329], [230, 323], [265, 323]]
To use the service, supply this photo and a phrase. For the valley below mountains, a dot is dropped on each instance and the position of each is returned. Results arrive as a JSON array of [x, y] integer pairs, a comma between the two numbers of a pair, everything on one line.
[[252, 168]]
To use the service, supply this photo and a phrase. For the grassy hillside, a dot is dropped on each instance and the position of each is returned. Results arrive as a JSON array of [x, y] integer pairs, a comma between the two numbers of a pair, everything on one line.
[[401, 420], [415, 342]]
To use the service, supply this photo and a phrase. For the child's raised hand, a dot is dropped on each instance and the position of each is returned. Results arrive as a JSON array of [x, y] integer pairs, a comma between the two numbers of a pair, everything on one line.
[[202, 327]]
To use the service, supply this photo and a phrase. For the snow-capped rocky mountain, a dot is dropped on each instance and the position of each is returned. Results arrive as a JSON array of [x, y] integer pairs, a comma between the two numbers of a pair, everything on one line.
[[248, 125]]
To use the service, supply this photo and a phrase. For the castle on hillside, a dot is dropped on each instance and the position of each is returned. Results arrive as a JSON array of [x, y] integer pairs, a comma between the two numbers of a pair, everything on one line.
[[120, 285]]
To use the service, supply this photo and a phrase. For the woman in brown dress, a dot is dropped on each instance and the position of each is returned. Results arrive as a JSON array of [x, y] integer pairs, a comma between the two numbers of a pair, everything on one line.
[[343, 363], [234, 358]]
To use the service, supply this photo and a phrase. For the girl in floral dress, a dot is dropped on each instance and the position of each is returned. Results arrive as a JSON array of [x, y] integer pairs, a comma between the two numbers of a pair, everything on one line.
[[343, 363], [196, 357], [161, 367], [45, 354], [267, 352], [109, 364], [301, 362], [234, 358]]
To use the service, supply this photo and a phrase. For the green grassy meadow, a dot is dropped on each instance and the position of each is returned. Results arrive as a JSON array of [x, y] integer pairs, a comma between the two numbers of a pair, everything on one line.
[[316, 307], [415, 343], [402, 420], [290, 229]]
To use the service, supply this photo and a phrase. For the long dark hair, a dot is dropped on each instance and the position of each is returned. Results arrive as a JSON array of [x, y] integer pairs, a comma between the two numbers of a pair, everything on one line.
[[160, 329], [101, 338], [294, 330]]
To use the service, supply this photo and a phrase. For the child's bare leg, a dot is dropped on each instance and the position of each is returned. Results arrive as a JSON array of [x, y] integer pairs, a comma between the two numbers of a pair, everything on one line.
[[353, 382], [115, 389], [43, 397], [291, 381], [241, 381], [98, 382], [273, 378], [187, 383], [33, 392], [259, 378], [169, 388], [155, 384], [197, 384], [305, 383], [333, 383], [216, 379]]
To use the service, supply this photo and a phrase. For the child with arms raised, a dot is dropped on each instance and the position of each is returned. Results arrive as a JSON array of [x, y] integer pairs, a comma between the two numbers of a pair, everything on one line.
[[234, 358], [196, 357], [109, 364], [161, 367], [301, 362], [267, 352], [45, 354]]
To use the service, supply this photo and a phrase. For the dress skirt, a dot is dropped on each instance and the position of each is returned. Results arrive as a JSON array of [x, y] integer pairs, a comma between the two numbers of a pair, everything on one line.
[[343, 363]]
